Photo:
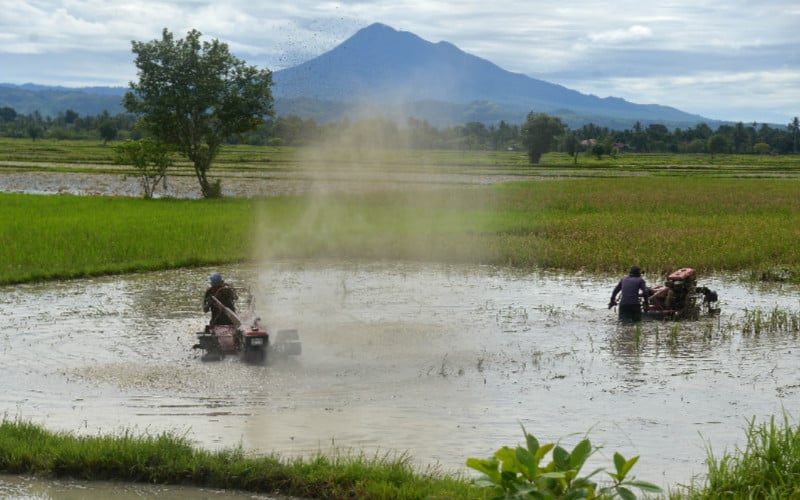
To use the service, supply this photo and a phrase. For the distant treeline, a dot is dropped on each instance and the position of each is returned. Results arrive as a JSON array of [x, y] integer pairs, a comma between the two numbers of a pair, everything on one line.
[[291, 130]]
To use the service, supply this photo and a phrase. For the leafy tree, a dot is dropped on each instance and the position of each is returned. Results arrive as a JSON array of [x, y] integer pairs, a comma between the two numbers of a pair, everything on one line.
[[598, 150], [571, 146], [696, 146], [35, 131], [717, 143], [761, 148], [539, 133], [70, 116], [108, 131], [194, 95], [151, 158], [794, 128], [8, 114], [739, 137]]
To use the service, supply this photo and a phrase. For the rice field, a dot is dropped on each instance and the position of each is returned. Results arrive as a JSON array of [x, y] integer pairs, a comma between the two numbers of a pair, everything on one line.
[[748, 226]]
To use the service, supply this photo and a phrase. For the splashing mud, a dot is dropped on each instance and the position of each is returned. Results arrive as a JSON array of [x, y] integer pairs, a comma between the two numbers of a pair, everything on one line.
[[440, 362]]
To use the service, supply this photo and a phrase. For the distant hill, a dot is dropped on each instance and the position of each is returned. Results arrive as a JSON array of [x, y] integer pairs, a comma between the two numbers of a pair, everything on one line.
[[50, 101], [383, 72]]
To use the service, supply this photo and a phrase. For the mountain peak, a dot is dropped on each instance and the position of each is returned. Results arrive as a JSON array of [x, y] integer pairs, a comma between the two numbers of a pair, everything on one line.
[[382, 66]]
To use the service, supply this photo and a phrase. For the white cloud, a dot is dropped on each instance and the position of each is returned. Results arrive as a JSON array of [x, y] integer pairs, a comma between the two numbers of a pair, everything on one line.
[[633, 34], [626, 48], [743, 96]]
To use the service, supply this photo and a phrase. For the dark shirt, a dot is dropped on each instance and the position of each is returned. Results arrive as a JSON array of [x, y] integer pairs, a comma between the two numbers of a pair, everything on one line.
[[224, 294], [630, 287]]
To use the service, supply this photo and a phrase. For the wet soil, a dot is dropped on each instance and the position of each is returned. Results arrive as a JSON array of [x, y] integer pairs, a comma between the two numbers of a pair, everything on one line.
[[437, 362], [241, 184]]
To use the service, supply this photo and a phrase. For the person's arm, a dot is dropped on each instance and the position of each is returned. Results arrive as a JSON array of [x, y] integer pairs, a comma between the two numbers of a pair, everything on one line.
[[612, 302]]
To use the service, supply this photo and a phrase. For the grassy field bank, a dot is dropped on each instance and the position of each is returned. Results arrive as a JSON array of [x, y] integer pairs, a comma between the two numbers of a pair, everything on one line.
[[768, 467], [595, 225], [26, 448]]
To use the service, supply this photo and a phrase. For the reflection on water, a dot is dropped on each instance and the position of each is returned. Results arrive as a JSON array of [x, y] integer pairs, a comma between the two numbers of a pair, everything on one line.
[[441, 362]]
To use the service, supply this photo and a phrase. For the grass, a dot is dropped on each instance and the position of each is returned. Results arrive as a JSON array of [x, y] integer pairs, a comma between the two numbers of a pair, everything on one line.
[[597, 225], [768, 467], [56, 237], [26, 448]]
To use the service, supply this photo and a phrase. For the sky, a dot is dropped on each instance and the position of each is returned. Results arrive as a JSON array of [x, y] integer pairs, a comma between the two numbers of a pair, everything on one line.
[[735, 60]]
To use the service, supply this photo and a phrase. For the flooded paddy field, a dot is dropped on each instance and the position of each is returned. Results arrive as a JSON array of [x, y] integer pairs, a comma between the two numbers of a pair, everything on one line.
[[438, 362], [243, 184]]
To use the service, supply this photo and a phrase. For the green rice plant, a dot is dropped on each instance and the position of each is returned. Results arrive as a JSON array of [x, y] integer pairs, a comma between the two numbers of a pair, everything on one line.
[[777, 320], [56, 237], [595, 224], [768, 467], [521, 473]]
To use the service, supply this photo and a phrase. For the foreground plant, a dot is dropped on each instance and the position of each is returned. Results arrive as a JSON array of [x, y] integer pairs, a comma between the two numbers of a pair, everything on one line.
[[768, 467], [518, 473]]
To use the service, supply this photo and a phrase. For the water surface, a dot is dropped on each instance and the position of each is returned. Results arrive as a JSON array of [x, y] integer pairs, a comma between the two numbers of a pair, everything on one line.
[[439, 362]]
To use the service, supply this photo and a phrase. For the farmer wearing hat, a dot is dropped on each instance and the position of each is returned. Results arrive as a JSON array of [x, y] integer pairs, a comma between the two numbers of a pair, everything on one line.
[[225, 294], [630, 286]]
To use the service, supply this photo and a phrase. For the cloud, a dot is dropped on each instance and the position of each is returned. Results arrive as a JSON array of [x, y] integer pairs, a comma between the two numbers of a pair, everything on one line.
[[747, 96], [624, 48], [633, 34]]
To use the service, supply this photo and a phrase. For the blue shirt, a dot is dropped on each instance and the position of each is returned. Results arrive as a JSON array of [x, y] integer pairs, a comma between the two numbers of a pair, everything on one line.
[[630, 287]]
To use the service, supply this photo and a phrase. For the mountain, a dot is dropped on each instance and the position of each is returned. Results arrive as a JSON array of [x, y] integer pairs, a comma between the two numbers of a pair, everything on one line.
[[382, 72], [50, 101], [399, 71]]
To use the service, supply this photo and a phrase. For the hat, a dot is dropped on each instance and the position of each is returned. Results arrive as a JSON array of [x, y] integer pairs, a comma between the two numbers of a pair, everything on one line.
[[635, 271], [215, 279]]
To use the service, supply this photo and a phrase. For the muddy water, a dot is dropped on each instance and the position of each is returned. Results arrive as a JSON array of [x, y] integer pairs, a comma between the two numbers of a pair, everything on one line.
[[439, 362]]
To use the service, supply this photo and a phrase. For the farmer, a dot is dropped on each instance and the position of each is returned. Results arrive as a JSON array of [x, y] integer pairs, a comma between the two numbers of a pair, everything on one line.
[[225, 294], [630, 286]]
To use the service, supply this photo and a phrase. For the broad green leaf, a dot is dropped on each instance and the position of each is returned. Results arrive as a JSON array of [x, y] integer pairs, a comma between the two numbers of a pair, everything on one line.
[[576, 493], [580, 454], [629, 465], [552, 475], [625, 493], [527, 461], [644, 486], [488, 467], [505, 453], [532, 442], [543, 450], [484, 482], [508, 476], [583, 482], [619, 464], [561, 458]]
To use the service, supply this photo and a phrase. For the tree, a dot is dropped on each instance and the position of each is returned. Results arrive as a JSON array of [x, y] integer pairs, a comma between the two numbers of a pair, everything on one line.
[[108, 131], [598, 150], [8, 114], [571, 145], [794, 128], [761, 148], [193, 96], [717, 143], [539, 134], [151, 159]]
